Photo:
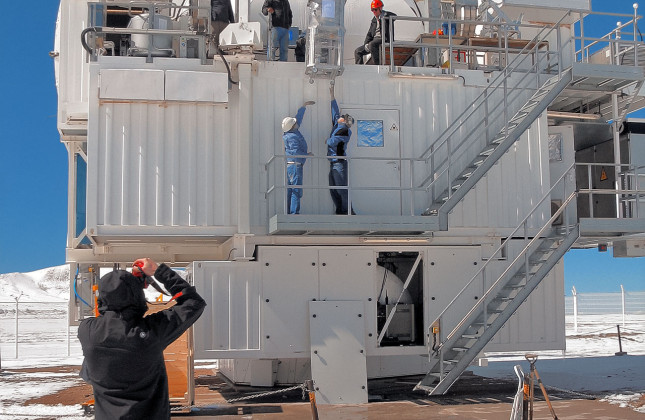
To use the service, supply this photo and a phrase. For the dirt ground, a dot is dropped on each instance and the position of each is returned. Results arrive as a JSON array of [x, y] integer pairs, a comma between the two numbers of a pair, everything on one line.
[[472, 397]]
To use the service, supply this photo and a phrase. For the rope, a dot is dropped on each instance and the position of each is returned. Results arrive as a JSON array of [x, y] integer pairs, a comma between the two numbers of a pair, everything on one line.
[[248, 397]]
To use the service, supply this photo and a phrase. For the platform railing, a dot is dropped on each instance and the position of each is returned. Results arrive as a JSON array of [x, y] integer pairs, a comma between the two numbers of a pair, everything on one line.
[[276, 181]]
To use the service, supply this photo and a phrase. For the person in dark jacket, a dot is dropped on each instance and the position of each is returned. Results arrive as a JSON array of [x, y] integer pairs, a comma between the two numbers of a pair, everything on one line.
[[337, 146], [123, 350], [221, 15], [294, 145], [280, 18], [375, 35]]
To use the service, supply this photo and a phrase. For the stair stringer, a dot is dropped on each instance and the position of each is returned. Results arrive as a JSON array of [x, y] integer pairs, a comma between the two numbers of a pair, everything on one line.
[[448, 379], [520, 125]]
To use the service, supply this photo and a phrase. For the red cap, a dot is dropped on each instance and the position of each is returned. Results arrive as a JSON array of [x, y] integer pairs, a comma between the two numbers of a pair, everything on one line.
[[377, 4]]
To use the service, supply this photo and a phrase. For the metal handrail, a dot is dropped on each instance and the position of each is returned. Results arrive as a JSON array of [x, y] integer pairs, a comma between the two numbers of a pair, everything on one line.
[[571, 198], [499, 250], [471, 110]]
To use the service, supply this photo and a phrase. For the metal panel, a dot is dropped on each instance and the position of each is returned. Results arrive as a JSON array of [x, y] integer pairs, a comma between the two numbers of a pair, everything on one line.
[[196, 86], [142, 84], [289, 282], [71, 68], [338, 361], [448, 271], [230, 326], [162, 166], [538, 324], [350, 274]]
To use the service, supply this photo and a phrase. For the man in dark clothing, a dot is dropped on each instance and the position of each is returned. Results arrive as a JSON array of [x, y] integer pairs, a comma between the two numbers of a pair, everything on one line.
[[337, 146], [280, 18], [375, 35], [123, 351], [221, 15]]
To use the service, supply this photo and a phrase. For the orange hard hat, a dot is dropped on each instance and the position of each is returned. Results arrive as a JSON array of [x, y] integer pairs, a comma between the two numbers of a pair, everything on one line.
[[377, 4]]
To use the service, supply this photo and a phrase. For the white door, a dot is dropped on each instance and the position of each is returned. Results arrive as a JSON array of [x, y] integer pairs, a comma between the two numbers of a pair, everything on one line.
[[374, 165]]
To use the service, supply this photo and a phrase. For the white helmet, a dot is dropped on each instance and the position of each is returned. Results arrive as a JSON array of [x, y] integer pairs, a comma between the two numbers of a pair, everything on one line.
[[288, 123]]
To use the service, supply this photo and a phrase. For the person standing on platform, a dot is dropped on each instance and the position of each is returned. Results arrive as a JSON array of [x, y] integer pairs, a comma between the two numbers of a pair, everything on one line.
[[337, 147], [280, 18], [296, 147], [221, 15]]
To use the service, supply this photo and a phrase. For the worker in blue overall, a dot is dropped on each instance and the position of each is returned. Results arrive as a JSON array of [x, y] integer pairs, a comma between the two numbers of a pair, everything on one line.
[[336, 147], [294, 145]]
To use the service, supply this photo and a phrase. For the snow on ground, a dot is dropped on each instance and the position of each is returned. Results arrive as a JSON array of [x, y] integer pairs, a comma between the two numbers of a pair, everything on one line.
[[589, 365]]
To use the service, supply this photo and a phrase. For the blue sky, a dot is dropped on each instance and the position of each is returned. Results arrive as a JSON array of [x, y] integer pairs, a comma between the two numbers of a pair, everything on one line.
[[33, 181]]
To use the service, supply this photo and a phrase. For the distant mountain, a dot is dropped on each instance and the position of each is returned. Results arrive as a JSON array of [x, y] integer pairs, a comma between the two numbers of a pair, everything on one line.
[[46, 285]]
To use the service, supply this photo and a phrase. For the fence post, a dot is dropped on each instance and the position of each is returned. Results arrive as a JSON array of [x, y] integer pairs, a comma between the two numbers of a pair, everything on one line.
[[622, 295], [67, 326], [17, 298], [575, 309]]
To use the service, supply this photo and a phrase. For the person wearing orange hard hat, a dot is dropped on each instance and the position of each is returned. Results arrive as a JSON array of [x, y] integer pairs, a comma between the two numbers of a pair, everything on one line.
[[379, 31]]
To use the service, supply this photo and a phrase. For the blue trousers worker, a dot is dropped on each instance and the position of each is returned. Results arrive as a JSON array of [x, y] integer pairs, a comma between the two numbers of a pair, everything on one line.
[[294, 177]]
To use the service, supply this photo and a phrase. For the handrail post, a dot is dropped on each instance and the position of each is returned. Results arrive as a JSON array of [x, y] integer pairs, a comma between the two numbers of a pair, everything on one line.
[[583, 52]]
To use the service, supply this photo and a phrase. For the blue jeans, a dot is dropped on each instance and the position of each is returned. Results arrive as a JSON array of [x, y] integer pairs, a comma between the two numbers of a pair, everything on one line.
[[280, 37], [294, 177], [338, 178]]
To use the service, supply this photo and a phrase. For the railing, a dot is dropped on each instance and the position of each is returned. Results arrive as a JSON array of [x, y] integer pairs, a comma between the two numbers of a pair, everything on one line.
[[451, 147], [473, 49], [276, 169], [523, 256], [628, 192], [629, 197], [614, 41], [201, 23]]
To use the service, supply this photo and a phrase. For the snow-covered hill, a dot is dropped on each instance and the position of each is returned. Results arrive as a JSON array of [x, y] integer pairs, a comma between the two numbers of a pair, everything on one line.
[[46, 285]]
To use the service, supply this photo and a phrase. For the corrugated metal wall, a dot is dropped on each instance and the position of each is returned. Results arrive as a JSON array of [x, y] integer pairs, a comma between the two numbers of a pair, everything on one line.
[[174, 164], [163, 164]]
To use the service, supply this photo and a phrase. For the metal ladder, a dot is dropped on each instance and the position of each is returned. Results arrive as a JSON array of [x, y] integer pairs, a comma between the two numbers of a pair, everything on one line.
[[477, 327]]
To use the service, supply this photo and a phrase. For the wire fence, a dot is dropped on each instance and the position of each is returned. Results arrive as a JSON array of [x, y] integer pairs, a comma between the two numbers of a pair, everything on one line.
[[38, 329], [628, 303]]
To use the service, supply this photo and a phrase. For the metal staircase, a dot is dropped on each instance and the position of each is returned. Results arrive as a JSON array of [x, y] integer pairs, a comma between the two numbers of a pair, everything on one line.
[[454, 351], [476, 140], [487, 157]]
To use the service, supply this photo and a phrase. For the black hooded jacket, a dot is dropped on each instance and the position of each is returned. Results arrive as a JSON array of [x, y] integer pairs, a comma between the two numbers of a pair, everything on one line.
[[281, 16], [123, 351]]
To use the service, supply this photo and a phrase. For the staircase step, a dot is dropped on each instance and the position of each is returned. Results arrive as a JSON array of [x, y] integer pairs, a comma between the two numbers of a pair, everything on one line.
[[460, 349], [470, 336]]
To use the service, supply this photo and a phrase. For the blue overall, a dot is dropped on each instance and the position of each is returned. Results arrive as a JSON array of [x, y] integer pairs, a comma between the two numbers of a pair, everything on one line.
[[337, 146], [295, 145]]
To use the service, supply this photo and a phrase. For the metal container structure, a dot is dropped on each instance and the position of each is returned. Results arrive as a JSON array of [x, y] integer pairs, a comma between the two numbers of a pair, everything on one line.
[[325, 35]]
